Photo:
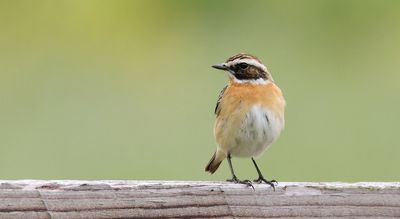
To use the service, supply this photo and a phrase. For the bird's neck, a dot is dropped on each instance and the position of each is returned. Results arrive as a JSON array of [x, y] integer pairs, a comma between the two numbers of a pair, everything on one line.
[[259, 81]]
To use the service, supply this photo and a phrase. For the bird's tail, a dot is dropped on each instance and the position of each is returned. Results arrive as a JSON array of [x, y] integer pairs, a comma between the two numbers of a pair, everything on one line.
[[215, 161]]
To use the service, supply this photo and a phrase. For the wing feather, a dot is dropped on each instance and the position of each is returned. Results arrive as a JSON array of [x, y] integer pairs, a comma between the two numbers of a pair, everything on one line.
[[217, 106]]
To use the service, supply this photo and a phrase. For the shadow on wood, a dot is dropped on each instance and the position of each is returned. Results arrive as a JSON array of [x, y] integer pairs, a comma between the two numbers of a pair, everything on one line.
[[181, 199]]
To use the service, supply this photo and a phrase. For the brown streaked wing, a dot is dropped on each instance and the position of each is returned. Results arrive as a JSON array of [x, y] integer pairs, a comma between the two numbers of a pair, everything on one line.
[[221, 94]]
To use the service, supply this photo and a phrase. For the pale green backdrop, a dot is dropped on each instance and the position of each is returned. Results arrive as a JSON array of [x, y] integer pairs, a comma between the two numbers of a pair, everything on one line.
[[124, 89]]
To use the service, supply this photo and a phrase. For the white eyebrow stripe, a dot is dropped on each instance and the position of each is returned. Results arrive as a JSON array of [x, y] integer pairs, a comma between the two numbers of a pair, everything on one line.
[[252, 62]]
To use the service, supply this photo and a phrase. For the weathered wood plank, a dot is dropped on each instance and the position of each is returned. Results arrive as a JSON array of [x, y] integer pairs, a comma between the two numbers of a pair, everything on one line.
[[177, 199], [25, 214], [21, 204]]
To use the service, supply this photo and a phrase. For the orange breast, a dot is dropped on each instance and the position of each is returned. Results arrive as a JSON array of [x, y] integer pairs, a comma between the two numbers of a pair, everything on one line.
[[237, 101], [244, 96]]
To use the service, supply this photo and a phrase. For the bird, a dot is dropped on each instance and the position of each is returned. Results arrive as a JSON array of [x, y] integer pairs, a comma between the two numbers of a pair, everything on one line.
[[249, 115]]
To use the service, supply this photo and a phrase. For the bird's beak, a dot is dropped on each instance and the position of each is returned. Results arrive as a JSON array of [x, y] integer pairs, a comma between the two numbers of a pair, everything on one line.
[[220, 66]]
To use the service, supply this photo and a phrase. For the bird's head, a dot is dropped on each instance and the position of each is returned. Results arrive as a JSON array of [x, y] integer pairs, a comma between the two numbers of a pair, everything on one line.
[[244, 68]]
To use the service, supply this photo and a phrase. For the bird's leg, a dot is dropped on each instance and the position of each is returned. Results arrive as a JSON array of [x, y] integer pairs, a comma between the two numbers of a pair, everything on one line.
[[261, 177], [234, 178]]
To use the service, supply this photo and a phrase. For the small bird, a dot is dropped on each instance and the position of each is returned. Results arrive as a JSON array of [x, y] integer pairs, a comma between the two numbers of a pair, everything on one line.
[[249, 114]]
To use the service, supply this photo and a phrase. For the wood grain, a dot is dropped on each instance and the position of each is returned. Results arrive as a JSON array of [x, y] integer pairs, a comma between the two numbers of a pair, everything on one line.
[[183, 199]]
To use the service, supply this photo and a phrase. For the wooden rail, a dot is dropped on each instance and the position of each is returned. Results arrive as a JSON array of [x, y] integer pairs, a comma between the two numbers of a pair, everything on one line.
[[182, 199]]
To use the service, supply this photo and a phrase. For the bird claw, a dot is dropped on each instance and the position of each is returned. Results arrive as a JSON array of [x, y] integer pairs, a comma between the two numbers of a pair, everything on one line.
[[245, 182], [261, 179]]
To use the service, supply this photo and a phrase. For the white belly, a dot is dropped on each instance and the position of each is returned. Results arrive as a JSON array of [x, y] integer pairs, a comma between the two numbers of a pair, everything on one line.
[[259, 129]]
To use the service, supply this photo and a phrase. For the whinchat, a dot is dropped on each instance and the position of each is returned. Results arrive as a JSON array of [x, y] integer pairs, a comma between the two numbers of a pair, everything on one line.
[[249, 114]]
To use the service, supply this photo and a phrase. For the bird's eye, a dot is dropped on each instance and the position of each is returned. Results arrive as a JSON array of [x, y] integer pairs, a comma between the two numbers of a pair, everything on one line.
[[243, 65]]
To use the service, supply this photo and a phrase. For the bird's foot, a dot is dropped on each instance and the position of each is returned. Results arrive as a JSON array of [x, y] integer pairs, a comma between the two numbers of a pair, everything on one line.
[[245, 182], [261, 179]]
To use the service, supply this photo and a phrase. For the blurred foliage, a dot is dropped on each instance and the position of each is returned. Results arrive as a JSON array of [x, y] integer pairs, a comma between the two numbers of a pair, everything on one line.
[[124, 89]]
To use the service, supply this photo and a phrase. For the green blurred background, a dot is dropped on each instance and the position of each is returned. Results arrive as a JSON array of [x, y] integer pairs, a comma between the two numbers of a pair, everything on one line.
[[124, 89]]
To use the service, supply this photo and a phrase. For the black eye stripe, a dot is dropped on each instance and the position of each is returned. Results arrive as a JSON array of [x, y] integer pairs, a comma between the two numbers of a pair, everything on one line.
[[243, 65]]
